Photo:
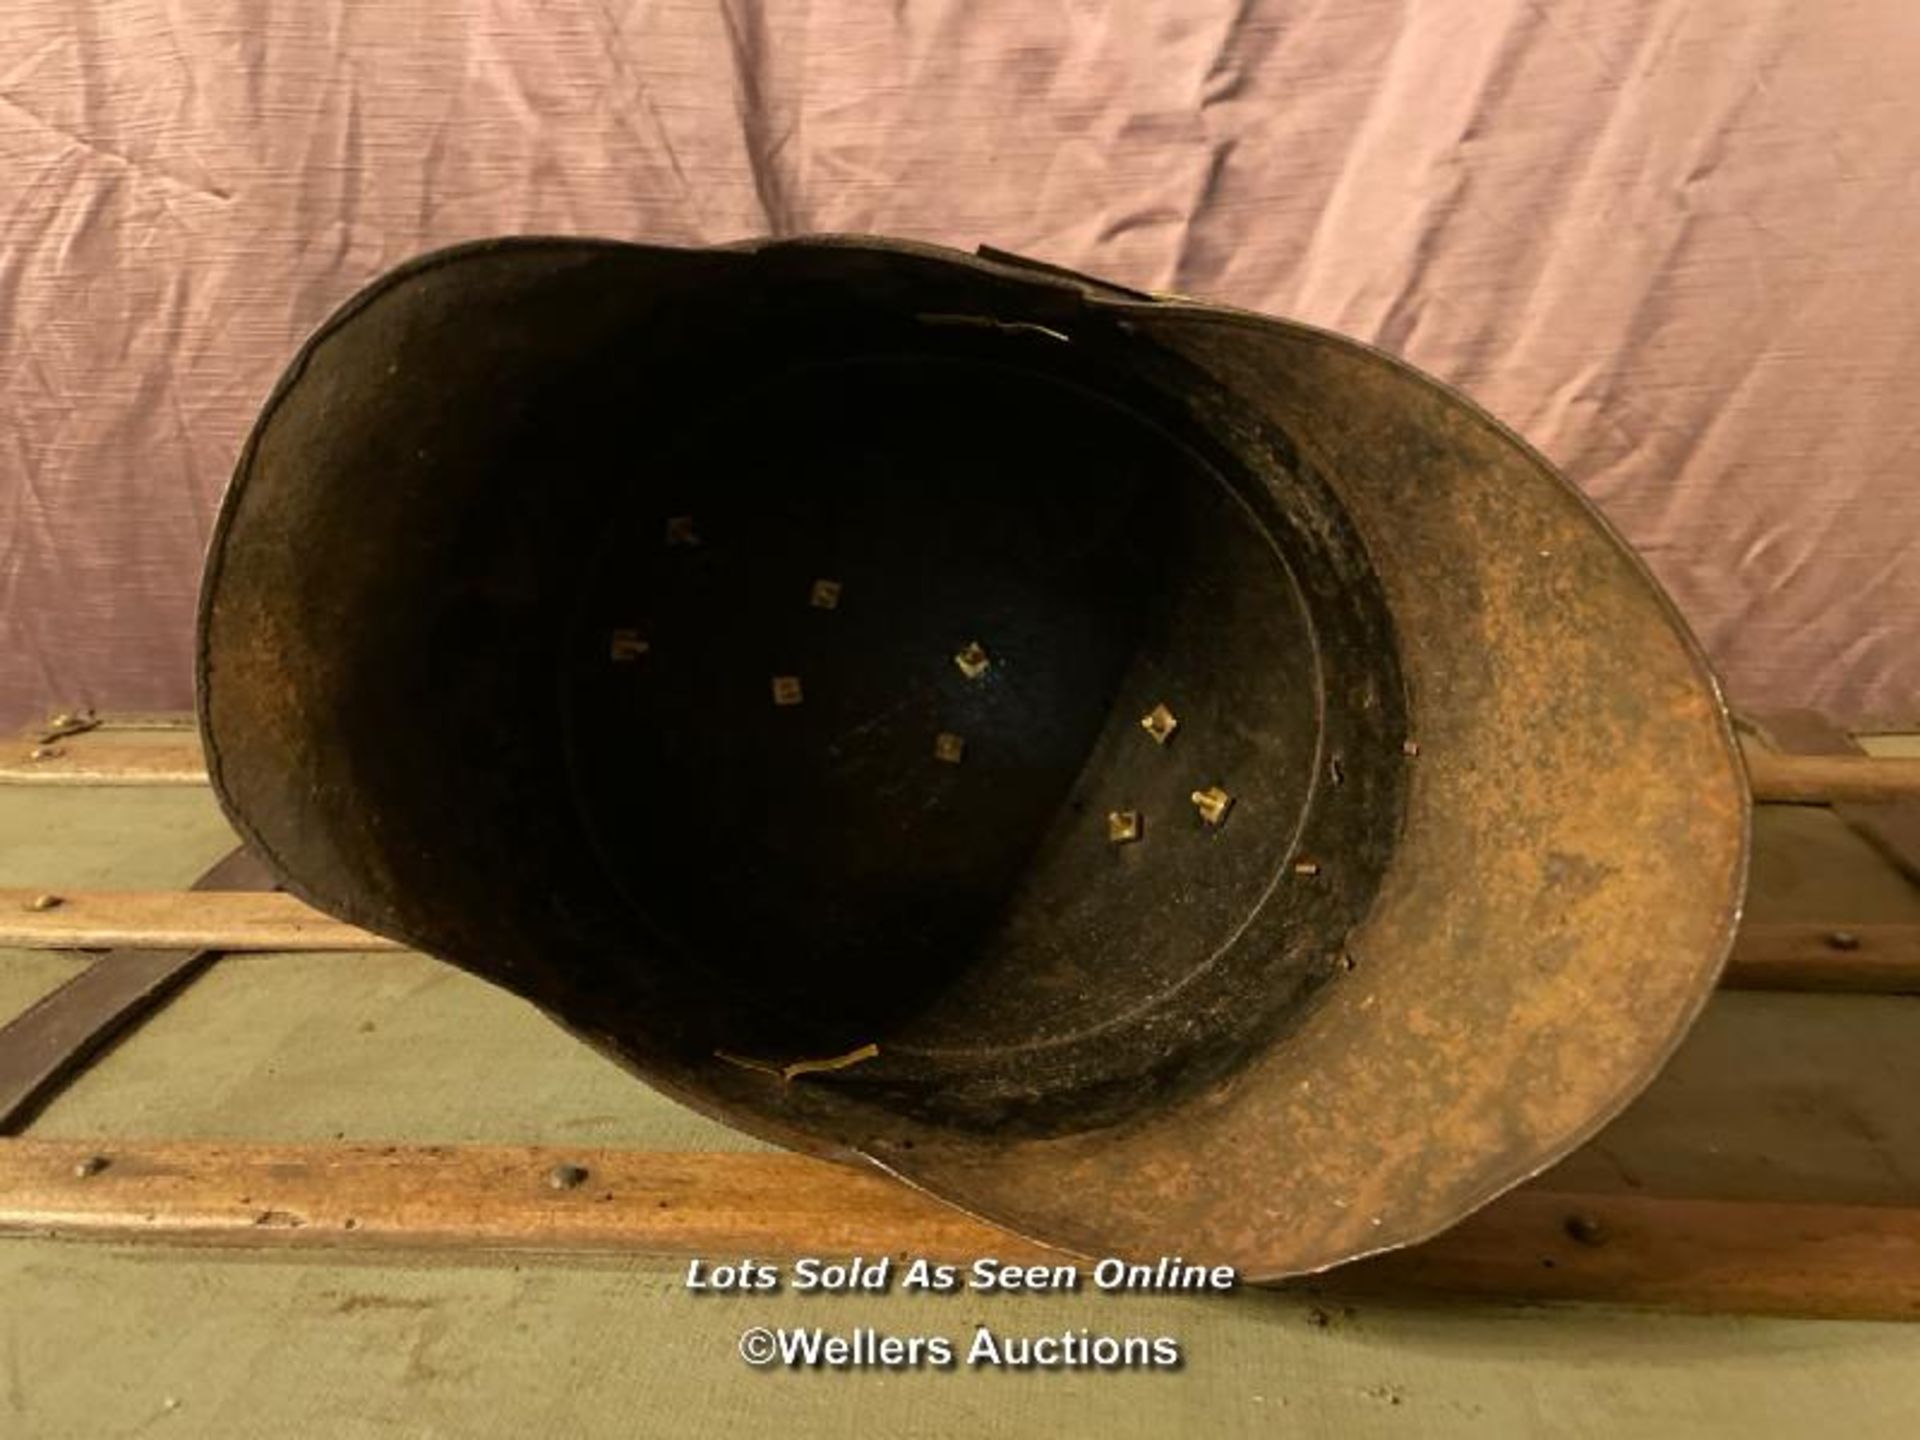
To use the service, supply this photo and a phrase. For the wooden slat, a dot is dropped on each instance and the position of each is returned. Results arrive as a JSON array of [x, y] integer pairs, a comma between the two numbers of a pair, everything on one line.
[[1892, 827], [105, 757], [1824, 779], [476, 1197], [1718, 1256], [145, 720], [108, 757], [174, 920], [47, 1045], [1866, 959], [1881, 959], [1701, 1255]]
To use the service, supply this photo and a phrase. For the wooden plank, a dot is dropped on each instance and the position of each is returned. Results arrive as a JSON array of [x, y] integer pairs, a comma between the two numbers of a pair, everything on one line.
[[1699, 1255], [1859, 959], [108, 756], [1892, 827], [1710, 1256], [46, 1046], [476, 1197], [105, 757], [1872, 959], [1825, 779], [173, 920], [172, 720], [1888, 744]]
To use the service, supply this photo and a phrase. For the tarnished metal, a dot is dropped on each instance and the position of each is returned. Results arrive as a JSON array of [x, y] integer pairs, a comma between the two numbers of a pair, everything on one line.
[[972, 660], [1160, 723], [1407, 974], [1213, 803], [627, 645]]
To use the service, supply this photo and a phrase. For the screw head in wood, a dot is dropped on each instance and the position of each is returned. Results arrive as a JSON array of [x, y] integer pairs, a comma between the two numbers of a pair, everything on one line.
[[786, 690], [949, 747], [1586, 1230], [89, 1167], [567, 1177], [825, 595], [1123, 826], [46, 902]]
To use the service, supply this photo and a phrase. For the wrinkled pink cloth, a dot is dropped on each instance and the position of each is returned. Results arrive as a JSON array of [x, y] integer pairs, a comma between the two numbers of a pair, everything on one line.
[[1676, 244]]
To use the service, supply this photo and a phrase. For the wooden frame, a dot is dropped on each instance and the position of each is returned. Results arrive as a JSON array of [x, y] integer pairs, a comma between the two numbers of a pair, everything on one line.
[[234, 921], [1697, 1255], [1862, 958], [1533, 1244], [105, 754]]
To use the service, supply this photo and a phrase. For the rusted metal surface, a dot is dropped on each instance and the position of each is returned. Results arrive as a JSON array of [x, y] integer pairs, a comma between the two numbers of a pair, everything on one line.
[[1474, 830], [48, 1045], [1561, 897]]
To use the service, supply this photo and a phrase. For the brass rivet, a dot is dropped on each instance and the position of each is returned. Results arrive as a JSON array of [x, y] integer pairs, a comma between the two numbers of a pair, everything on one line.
[[1843, 940], [949, 747], [45, 902], [972, 660], [786, 690], [1160, 723], [681, 532], [825, 595], [1306, 867], [628, 645], [1123, 826], [1409, 747], [46, 752], [1212, 803], [89, 1167]]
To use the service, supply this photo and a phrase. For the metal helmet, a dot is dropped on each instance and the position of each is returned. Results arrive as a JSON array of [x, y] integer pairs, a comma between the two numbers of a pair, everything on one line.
[[1160, 778]]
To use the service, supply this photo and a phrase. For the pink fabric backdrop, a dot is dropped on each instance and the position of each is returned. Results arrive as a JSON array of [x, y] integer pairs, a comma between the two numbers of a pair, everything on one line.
[[1676, 243]]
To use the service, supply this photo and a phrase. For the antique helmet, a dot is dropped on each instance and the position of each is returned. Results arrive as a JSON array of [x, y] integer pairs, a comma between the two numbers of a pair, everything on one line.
[[1160, 778]]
